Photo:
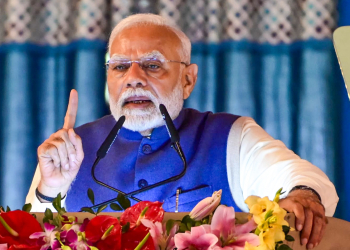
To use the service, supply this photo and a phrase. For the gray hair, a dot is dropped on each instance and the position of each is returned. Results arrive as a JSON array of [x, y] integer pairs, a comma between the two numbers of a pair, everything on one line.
[[144, 19]]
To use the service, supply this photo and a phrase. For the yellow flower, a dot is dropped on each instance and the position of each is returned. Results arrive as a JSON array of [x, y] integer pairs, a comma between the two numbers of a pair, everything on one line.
[[269, 217], [261, 207], [251, 200], [251, 247]]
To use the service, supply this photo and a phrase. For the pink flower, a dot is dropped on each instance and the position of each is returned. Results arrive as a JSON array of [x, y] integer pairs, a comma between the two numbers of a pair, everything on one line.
[[206, 206], [73, 237], [76, 242], [45, 239], [158, 232], [199, 238], [231, 236], [3, 246]]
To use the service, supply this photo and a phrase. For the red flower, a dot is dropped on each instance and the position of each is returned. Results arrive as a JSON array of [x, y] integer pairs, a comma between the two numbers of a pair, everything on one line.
[[133, 237], [154, 213], [96, 229], [24, 247], [24, 224]]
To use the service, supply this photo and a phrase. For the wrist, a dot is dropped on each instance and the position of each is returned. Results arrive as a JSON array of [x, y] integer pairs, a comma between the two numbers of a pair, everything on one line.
[[305, 191], [45, 199], [52, 192]]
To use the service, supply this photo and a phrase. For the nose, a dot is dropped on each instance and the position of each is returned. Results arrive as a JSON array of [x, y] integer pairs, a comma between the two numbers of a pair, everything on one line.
[[135, 77]]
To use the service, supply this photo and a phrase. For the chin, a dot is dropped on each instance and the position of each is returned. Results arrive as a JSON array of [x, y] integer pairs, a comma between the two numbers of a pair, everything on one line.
[[139, 120]]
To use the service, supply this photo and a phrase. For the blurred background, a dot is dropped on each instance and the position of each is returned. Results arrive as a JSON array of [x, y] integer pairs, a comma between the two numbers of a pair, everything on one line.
[[271, 60]]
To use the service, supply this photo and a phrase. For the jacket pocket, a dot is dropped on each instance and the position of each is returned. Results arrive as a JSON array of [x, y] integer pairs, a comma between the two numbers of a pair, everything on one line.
[[188, 199]]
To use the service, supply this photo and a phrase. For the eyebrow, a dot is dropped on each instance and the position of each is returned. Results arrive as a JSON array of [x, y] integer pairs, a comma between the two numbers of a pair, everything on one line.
[[118, 57], [153, 54]]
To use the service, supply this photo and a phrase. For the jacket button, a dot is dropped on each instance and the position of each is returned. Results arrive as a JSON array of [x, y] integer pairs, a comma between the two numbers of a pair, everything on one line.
[[142, 183], [146, 149]]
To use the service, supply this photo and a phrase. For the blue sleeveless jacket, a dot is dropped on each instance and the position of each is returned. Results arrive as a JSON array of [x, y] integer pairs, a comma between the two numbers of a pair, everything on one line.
[[135, 161]]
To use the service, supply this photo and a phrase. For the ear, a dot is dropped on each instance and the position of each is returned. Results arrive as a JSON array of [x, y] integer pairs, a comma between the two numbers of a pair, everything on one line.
[[189, 79]]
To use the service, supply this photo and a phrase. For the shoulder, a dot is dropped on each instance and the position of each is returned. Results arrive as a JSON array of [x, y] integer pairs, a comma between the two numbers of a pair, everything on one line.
[[209, 117]]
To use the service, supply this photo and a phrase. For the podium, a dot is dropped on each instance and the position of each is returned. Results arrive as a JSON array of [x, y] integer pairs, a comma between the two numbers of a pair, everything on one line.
[[335, 238]]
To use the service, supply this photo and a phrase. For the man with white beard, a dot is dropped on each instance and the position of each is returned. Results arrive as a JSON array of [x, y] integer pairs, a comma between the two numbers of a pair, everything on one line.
[[150, 65]]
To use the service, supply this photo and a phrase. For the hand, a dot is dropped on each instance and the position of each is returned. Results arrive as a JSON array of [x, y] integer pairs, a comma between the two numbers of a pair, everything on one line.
[[61, 155], [309, 213]]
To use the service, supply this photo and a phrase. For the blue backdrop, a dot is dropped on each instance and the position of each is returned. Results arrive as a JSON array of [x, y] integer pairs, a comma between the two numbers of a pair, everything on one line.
[[342, 171], [294, 90]]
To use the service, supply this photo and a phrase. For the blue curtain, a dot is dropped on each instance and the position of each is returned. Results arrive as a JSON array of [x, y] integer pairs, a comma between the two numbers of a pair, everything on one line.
[[35, 82], [295, 91], [342, 171]]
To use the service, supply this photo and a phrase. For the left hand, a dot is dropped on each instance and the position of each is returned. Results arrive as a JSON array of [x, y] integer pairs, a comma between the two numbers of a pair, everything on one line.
[[310, 215]]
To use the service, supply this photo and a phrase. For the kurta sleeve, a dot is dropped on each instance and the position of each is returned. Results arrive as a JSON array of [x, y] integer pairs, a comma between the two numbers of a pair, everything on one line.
[[259, 165]]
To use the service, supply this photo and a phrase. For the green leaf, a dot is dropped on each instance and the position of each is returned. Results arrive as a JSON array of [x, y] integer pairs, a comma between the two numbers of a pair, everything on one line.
[[56, 221], [101, 208], [126, 227], [197, 223], [91, 196], [46, 220], [169, 225], [48, 214], [285, 229], [34, 215], [289, 238], [187, 219], [56, 203], [123, 201], [27, 207], [284, 247], [189, 225], [1, 208], [182, 228], [115, 207], [88, 209], [8, 209]]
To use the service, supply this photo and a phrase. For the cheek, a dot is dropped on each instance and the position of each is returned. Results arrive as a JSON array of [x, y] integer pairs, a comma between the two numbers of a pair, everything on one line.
[[114, 89], [164, 85]]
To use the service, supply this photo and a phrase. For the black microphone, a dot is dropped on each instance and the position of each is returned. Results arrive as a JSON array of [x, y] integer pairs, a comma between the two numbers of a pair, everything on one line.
[[173, 134], [175, 141], [106, 145], [103, 150]]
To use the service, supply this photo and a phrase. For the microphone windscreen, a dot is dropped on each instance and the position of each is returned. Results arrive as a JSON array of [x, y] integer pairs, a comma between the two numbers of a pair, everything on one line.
[[106, 145], [174, 135]]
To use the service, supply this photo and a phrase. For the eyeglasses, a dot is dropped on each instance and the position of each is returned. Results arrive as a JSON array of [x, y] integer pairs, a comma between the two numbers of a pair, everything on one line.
[[152, 66]]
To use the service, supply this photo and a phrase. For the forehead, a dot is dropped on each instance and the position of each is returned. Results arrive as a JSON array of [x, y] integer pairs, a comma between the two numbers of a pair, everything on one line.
[[139, 40]]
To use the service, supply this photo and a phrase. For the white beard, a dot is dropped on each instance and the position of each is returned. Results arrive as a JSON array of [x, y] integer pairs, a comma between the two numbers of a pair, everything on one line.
[[149, 118]]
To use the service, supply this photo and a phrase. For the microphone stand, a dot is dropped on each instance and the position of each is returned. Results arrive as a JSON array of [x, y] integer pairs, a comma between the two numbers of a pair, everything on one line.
[[177, 148], [175, 139]]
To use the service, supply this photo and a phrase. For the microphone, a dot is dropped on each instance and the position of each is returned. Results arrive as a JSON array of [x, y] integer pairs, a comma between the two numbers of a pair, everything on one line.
[[106, 145], [175, 143], [173, 134], [103, 150]]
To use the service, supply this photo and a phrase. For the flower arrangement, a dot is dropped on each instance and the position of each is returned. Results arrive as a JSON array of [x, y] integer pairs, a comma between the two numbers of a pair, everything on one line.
[[208, 226]]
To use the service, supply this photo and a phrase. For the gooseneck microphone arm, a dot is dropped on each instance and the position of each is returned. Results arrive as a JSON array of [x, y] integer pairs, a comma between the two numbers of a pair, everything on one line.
[[103, 150], [175, 143]]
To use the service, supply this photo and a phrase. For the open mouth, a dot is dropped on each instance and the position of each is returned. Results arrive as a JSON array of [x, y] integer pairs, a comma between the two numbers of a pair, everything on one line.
[[137, 100]]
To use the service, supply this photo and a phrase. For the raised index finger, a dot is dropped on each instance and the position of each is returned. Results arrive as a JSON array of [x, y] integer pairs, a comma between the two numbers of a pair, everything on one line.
[[71, 114]]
